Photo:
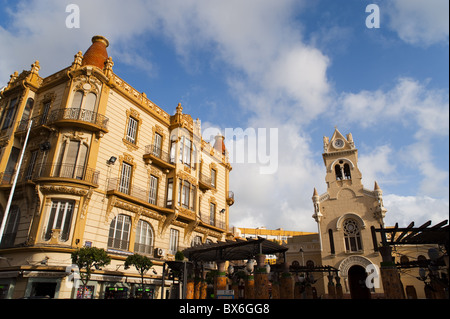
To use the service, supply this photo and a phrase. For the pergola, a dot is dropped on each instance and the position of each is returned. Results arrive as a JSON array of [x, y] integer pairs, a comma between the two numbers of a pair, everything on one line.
[[437, 234], [239, 249], [410, 235]]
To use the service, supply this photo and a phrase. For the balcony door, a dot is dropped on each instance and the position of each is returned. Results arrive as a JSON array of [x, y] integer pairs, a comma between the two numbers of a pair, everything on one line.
[[72, 160], [83, 107]]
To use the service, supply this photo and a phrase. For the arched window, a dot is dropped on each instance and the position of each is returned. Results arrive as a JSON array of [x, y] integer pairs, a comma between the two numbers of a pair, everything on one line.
[[83, 107], [331, 238], [77, 99], [310, 264], [10, 232], [404, 259], [352, 235], [347, 174], [338, 171], [196, 241], [144, 238], [119, 232], [28, 108], [89, 105]]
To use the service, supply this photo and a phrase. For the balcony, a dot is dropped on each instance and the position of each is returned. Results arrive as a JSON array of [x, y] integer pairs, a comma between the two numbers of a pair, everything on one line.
[[204, 182], [230, 198], [136, 194], [67, 172], [39, 122], [207, 220], [155, 155], [85, 119]]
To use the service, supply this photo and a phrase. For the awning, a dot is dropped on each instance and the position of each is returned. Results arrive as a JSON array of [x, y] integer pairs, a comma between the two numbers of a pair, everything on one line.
[[239, 249]]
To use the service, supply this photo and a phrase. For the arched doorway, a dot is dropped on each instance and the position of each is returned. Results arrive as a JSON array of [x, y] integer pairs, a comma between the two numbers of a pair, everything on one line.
[[357, 282]]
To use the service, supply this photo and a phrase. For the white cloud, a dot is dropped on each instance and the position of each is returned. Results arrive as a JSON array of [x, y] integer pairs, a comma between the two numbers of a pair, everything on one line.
[[420, 209], [378, 165], [419, 22], [282, 199], [409, 101]]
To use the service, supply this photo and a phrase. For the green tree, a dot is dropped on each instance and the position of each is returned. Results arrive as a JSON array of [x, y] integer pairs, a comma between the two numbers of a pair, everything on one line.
[[88, 259], [142, 265]]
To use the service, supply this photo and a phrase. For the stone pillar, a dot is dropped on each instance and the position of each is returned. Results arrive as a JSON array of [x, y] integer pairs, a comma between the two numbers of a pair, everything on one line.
[[203, 289], [276, 290], [298, 290], [197, 287], [190, 289], [339, 291], [392, 285], [331, 288], [221, 278], [309, 291], [250, 287], [286, 285], [261, 278]]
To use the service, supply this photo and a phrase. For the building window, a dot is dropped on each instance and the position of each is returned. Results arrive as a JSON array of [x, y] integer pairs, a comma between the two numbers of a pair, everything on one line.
[[331, 238], [187, 195], [342, 171], [144, 238], [212, 214], [60, 218], [310, 264], [11, 226], [153, 190], [72, 160], [45, 112], [338, 171], [213, 177], [192, 198], [186, 150], [9, 113], [119, 232], [173, 245], [27, 111], [31, 165], [132, 130], [11, 165], [347, 174], [83, 107], [169, 192], [157, 146], [125, 178], [196, 241], [184, 194], [352, 235]]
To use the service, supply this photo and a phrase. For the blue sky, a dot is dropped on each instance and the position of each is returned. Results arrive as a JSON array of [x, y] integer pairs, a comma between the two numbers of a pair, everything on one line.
[[300, 66]]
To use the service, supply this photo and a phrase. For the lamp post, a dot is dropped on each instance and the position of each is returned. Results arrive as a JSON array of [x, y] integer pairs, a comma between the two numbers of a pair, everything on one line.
[[13, 187]]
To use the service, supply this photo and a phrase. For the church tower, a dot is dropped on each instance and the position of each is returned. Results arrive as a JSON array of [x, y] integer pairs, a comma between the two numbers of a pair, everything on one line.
[[346, 214]]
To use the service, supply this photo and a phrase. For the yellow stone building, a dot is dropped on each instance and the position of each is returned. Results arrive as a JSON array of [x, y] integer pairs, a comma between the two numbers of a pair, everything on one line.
[[106, 167]]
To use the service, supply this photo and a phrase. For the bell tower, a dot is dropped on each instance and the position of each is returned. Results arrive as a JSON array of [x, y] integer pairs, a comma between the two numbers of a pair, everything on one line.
[[341, 161]]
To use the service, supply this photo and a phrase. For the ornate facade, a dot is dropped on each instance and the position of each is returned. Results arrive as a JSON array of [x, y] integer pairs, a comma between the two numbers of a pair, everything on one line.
[[104, 166], [347, 215]]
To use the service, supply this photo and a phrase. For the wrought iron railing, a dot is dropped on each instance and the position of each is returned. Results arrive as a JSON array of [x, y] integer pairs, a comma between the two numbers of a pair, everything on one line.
[[70, 171], [78, 114], [75, 114], [114, 184], [157, 152], [217, 222], [205, 179]]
